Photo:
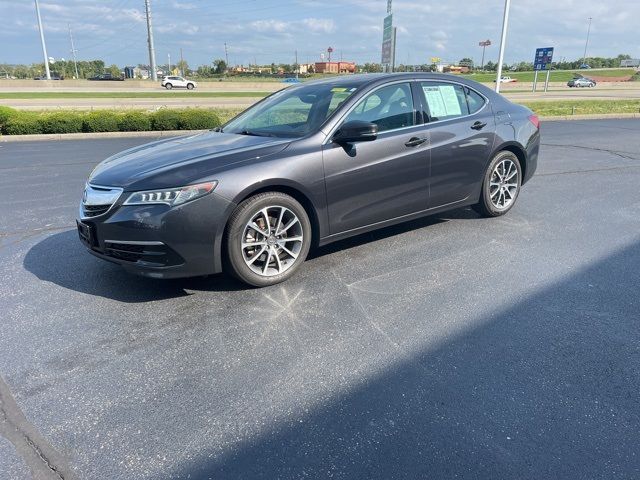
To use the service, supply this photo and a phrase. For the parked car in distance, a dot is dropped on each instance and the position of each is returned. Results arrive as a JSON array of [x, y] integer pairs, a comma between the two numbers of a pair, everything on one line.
[[107, 77], [584, 66], [581, 82], [309, 165], [170, 82], [291, 80], [507, 80]]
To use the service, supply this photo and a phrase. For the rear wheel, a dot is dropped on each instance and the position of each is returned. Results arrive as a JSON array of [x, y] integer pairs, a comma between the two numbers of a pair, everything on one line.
[[168, 86], [268, 238], [501, 185], [189, 86]]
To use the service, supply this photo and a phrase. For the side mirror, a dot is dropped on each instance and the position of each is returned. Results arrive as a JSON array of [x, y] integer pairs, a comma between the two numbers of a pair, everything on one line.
[[356, 131]]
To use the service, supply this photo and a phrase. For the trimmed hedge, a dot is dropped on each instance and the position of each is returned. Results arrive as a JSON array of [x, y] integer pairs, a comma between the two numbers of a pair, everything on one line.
[[198, 119], [22, 123], [134, 122], [5, 114], [61, 122], [166, 119], [17, 122], [101, 121]]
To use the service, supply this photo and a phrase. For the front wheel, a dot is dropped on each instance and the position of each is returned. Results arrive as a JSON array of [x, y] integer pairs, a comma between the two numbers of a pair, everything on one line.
[[168, 86], [189, 86], [501, 185], [268, 238]]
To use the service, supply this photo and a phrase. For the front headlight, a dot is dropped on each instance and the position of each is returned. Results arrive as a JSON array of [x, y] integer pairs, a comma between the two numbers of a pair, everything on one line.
[[171, 196]]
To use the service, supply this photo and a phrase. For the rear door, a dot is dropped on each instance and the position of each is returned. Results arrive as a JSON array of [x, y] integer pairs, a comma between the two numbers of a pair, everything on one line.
[[461, 130]]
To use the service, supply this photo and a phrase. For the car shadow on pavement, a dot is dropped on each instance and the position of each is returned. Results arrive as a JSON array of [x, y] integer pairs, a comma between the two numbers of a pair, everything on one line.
[[61, 259], [544, 388]]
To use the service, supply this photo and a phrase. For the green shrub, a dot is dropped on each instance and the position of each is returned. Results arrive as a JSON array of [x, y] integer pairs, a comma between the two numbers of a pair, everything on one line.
[[165, 119], [635, 78], [198, 119], [22, 123], [101, 121], [134, 122], [5, 114], [61, 122]]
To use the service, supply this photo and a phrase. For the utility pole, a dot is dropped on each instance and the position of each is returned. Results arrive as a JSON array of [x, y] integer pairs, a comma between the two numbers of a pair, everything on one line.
[[152, 50], [297, 66], [169, 63], [181, 63], [586, 45], [73, 52], [503, 42], [226, 54], [44, 47]]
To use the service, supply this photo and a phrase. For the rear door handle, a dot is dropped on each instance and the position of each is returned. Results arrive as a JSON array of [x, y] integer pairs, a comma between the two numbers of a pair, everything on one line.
[[415, 141], [478, 125]]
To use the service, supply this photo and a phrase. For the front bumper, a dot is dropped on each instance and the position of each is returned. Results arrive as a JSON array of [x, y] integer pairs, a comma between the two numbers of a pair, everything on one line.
[[159, 241]]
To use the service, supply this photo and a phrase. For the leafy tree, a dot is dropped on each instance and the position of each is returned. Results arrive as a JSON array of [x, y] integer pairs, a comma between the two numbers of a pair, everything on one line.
[[183, 66], [114, 70], [219, 66], [466, 62]]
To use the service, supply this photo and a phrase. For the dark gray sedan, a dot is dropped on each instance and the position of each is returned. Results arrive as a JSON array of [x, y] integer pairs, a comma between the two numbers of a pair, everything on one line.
[[306, 166]]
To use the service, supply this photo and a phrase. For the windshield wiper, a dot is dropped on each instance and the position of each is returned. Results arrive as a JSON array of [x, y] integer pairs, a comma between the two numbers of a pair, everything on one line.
[[246, 131]]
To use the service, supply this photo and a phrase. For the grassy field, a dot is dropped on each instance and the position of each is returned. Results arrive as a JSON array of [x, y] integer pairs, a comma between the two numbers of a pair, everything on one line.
[[556, 75], [154, 94], [583, 107]]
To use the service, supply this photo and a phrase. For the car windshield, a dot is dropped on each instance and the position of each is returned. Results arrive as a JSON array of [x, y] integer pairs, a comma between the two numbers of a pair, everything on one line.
[[292, 112]]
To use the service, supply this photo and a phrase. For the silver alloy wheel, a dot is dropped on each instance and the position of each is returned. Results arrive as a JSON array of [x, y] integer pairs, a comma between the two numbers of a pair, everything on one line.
[[272, 241], [503, 185]]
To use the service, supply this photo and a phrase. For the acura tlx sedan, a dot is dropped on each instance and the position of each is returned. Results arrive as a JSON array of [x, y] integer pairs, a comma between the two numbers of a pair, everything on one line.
[[306, 166]]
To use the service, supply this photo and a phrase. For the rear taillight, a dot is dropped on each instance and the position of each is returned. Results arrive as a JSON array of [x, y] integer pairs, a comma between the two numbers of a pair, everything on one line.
[[535, 120]]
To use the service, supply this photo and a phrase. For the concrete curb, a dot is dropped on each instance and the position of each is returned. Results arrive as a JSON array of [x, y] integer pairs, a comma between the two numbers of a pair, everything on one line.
[[95, 136], [173, 133]]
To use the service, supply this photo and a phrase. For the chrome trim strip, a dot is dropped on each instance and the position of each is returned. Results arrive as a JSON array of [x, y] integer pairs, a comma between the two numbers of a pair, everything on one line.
[[133, 242]]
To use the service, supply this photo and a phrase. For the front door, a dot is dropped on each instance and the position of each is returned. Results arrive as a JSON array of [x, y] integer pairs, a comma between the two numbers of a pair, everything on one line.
[[370, 182]]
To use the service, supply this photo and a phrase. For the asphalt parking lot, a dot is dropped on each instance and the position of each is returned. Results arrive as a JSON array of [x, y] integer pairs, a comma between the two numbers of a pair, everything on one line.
[[449, 347]]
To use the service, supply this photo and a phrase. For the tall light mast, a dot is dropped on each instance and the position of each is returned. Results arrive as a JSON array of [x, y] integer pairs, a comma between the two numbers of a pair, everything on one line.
[[44, 46]]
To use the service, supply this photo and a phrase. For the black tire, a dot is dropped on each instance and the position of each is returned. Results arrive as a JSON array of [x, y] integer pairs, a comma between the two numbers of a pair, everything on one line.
[[237, 228], [486, 206], [168, 86], [189, 86]]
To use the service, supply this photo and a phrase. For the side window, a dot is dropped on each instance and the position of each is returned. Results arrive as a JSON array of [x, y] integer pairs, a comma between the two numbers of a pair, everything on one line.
[[444, 101], [475, 100], [388, 107]]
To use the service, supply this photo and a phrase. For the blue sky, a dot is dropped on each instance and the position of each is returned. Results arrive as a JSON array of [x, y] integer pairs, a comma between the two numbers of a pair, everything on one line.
[[271, 30]]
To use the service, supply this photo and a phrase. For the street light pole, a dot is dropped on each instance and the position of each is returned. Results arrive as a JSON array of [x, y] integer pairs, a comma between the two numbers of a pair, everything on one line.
[[586, 45], [152, 50], [503, 42], [44, 47]]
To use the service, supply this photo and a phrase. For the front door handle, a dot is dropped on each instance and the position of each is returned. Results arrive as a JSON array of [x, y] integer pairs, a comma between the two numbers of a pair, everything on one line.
[[415, 141], [478, 125]]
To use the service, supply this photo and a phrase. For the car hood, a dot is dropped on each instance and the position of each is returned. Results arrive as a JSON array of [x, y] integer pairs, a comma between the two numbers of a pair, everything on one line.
[[180, 161]]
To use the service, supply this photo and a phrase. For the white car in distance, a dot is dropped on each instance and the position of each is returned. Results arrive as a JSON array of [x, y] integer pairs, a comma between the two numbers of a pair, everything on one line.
[[173, 81]]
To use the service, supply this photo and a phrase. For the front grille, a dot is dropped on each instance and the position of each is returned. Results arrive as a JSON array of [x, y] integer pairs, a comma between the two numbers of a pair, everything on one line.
[[98, 200], [94, 210], [150, 253]]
